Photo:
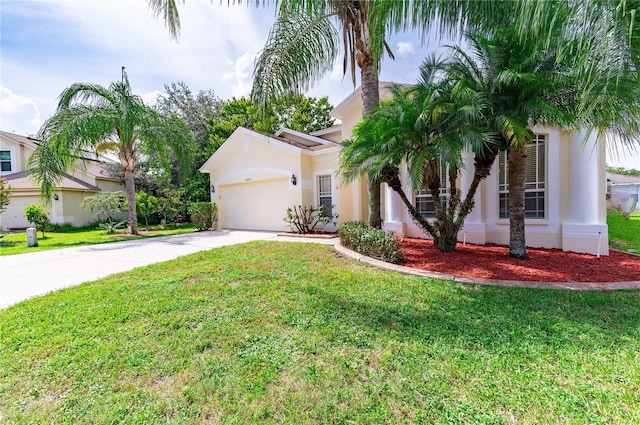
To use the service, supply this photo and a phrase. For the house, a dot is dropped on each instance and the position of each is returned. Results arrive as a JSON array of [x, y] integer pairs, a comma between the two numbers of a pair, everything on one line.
[[255, 177], [15, 151], [625, 191]]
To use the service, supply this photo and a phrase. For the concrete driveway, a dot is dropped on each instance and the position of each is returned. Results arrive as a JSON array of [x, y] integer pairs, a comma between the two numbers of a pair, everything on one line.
[[24, 276]]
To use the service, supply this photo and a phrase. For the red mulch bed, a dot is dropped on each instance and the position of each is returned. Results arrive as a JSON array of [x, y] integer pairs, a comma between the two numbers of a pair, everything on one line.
[[545, 265]]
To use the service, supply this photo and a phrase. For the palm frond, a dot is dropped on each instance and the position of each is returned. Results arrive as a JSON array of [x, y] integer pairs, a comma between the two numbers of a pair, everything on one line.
[[299, 50]]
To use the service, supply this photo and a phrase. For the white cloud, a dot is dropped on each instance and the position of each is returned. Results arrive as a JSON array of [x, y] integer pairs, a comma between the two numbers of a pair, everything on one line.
[[18, 114], [151, 98], [240, 75], [405, 48]]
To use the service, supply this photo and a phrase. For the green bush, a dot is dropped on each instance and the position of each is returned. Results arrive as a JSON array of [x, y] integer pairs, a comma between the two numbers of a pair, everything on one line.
[[302, 219], [61, 227], [36, 215], [375, 243], [203, 214]]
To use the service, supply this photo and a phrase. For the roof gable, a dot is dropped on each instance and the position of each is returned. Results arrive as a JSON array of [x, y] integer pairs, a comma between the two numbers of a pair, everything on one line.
[[22, 140], [24, 181], [285, 139]]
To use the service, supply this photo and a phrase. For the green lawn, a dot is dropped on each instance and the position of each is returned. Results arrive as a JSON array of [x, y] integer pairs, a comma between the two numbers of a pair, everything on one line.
[[290, 333], [624, 234], [16, 243]]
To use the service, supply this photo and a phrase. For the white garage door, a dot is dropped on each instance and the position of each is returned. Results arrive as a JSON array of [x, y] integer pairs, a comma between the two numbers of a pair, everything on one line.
[[257, 205], [13, 216]]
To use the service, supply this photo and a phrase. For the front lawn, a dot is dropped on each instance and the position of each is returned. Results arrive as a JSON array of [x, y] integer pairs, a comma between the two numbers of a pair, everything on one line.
[[271, 332], [624, 234], [16, 243]]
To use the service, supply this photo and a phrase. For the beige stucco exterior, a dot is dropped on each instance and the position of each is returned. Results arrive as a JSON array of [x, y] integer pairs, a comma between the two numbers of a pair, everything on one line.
[[74, 188], [574, 199], [250, 164]]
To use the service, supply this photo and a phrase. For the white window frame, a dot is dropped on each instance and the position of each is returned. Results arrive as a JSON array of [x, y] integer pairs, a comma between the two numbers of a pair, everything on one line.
[[323, 196], [423, 201], [535, 191], [11, 161]]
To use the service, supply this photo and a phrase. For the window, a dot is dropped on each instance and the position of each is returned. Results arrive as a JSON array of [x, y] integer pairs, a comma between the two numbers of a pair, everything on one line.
[[424, 200], [5, 161], [324, 194], [535, 180]]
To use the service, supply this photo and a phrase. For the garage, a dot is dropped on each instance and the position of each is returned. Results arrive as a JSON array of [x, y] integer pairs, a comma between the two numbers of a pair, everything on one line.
[[254, 205], [13, 217]]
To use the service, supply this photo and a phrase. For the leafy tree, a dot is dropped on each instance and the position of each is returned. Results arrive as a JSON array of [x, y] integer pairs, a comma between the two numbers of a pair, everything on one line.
[[107, 206], [194, 110], [37, 216], [624, 171], [301, 113], [91, 118], [146, 205], [170, 205], [5, 191]]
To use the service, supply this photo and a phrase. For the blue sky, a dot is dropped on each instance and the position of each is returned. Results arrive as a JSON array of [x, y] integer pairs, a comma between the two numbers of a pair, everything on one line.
[[47, 45]]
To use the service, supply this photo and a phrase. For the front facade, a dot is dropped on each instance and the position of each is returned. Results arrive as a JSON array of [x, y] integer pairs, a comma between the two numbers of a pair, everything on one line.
[[252, 174], [15, 151]]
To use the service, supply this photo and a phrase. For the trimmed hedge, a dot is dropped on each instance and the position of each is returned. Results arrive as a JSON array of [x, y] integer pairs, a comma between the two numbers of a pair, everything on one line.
[[375, 243], [203, 215]]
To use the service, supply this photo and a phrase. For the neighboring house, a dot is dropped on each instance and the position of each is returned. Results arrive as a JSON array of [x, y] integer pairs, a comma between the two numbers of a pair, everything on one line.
[[15, 151], [625, 191], [255, 177]]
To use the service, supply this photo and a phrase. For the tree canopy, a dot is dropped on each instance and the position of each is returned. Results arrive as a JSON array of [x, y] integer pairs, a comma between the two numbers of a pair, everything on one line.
[[92, 119]]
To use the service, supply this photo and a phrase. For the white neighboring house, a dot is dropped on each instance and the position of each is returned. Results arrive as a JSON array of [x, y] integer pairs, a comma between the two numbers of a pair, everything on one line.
[[255, 177], [15, 151], [625, 191]]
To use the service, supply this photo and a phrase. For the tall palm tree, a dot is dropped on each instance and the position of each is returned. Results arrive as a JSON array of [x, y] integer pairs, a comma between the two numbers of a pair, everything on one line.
[[303, 45], [92, 119]]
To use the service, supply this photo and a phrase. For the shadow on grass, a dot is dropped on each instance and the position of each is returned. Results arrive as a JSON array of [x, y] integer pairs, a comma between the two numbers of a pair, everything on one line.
[[495, 318]]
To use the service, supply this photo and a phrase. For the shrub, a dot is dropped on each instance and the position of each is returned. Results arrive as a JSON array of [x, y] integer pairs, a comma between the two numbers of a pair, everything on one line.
[[146, 205], [301, 219], [203, 214], [5, 191], [376, 243], [107, 205], [110, 227], [60, 228], [36, 215]]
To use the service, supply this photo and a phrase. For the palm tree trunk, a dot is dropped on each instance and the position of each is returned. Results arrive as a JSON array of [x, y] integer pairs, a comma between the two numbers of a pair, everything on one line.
[[130, 188], [517, 167], [370, 98]]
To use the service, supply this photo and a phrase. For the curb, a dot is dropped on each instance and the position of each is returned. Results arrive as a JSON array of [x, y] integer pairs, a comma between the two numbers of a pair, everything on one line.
[[571, 286]]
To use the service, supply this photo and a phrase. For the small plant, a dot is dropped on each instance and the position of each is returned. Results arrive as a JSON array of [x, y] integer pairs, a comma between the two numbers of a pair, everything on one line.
[[107, 206], [203, 215], [146, 205], [376, 243], [60, 227], [110, 227], [302, 219], [5, 191], [37, 216]]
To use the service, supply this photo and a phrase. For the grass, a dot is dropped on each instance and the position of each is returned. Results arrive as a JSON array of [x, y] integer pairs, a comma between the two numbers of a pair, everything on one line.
[[624, 234], [16, 243], [269, 332]]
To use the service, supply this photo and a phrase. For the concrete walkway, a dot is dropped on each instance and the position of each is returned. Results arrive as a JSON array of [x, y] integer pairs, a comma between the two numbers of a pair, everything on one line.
[[24, 276]]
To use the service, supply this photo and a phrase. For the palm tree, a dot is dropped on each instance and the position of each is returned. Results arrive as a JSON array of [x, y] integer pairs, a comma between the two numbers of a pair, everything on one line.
[[91, 119], [302, 46], [427, 128]]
